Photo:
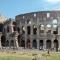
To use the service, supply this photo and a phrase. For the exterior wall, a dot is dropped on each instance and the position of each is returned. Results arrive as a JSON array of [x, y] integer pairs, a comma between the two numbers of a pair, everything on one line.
[[9, 35], [38, 18], [38, 22]]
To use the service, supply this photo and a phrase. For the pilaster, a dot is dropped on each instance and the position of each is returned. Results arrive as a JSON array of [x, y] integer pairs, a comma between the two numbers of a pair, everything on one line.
[[44, 44], [37, 44], [25, 33], [0, 39], [37, 26], [31, 31], [16, 40]]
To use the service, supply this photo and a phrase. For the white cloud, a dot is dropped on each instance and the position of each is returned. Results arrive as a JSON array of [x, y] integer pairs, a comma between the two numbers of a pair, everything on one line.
[[53, 1]]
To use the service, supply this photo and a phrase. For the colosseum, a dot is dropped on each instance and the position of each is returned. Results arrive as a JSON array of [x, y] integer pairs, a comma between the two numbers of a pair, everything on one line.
[[36, 30]]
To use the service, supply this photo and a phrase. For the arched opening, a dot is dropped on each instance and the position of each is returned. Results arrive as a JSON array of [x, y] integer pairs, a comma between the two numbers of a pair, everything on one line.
[[3, 40], [12, 43], [18, 29], [7, 28], [1, 27], [28, 43], [7, 43], [34, 29], [28, 21], [14, 27], [34, 44], [56, 44], [19, 41], [41, 44], [23, 30], [48, 44], [28, 30], [22, 43], [41, 28]]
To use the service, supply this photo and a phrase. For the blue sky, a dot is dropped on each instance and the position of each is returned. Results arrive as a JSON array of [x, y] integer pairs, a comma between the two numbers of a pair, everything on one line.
[[11, 8]]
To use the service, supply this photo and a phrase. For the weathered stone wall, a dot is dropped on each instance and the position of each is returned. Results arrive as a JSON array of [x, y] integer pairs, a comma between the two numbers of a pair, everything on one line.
[[37, 18]]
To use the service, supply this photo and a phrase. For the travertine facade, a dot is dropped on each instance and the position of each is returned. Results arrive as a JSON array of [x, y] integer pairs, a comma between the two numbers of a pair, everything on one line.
[[9, 36], [37, 30]]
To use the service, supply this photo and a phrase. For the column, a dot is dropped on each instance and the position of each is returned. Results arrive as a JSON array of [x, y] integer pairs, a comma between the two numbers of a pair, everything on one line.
[[52, 43], [44, 44], [59, 25], [11, 27], [25, 33], [20, 32], [37, 33], [59, 33], [9, 42], [0, 39], [15, 38], [59, 43], [37, 26], [31, 43], [31, 31], [37, 43]]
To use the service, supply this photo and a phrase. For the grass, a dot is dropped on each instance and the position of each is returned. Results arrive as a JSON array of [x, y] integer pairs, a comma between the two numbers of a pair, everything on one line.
[[28, 55], [7, 58], [53, 58]]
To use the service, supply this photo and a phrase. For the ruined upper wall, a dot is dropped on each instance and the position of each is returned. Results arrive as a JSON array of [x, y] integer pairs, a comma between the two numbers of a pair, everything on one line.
[[39, 14], [42, 15]]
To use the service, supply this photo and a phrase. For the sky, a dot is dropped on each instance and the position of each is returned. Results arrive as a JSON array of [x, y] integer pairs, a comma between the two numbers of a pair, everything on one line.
[[11, 8]]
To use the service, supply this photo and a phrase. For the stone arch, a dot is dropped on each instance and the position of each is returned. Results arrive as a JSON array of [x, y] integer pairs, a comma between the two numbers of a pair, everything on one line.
[[28, 30], [41, 44], [7, 43], [48, 44], [56, 44], [12, 43], [18, 29], [34, 29], [3, 40], [34, 44], [28, 43], [22, 43], [19, 40], [7, 28]]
